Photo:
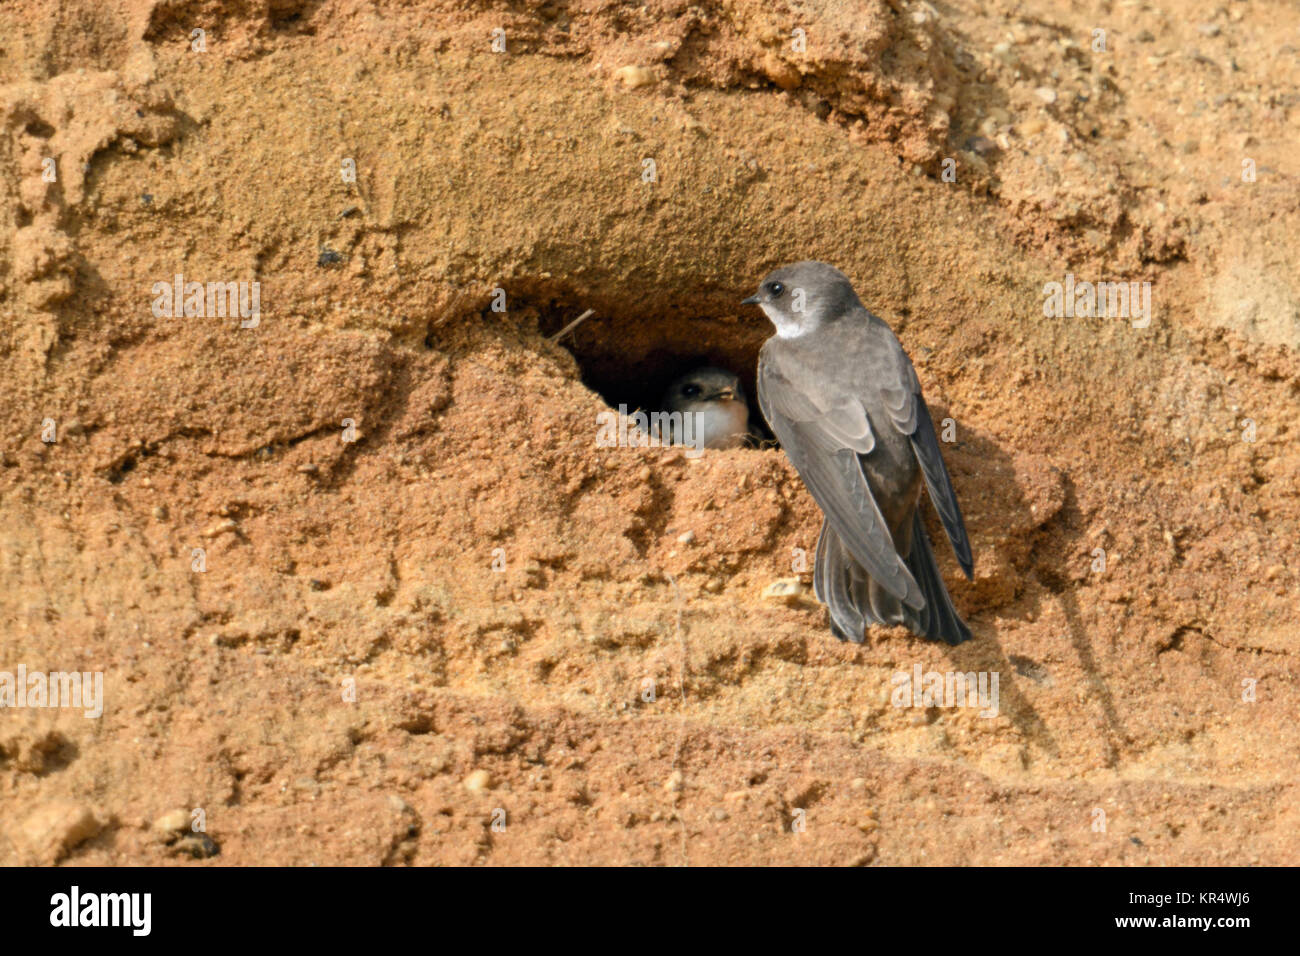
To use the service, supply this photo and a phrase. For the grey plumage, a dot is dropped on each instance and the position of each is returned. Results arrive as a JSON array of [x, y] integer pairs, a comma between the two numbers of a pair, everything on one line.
[[843, 399]]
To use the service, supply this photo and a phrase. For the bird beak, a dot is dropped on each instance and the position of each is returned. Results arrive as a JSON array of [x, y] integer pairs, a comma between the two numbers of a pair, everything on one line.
[[752, 300]]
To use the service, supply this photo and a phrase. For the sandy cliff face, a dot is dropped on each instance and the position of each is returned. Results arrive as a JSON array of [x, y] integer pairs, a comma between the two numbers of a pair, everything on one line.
[[458, 609]]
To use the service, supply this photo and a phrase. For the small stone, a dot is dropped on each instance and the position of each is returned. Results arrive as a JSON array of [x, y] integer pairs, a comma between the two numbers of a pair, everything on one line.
[[788, 591], [478, 781], [675, 782], [783, 74], [172, 822], [1208, 29], [1046, 94], [635, 77], [217, 529], [160, 512], [691, 125], [1146, 36], [686, 537]]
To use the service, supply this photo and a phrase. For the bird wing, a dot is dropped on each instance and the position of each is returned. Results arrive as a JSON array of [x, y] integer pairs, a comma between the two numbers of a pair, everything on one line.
[[910, 415], [823, 441]]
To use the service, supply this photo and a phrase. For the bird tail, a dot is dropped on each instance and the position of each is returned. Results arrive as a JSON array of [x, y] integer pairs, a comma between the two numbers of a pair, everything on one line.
[[835, 586], [852, 597], [855, 600], [938, 619]]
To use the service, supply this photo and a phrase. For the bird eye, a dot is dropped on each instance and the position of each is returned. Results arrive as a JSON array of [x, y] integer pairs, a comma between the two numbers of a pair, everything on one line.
[[776, 288], [690, 391]]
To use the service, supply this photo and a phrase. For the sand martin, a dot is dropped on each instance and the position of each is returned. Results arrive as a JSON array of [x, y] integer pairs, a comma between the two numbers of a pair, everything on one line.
[[717, 399], [843, 400]]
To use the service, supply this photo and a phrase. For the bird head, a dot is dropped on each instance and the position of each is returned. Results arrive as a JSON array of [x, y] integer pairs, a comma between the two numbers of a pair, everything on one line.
[[702, 386], [801, 298]]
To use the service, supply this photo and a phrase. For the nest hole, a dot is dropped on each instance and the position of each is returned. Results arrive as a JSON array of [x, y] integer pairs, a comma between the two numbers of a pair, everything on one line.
[[632, 361]]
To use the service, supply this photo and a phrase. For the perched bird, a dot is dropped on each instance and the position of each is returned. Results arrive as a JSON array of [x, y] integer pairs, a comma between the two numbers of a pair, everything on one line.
[[717, 400], [843, 399]]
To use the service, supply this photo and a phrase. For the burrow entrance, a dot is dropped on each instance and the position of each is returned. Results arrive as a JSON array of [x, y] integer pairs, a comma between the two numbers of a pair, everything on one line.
[[632, 361]]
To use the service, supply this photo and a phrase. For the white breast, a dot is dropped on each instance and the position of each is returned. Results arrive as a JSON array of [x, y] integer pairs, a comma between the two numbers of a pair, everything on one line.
[[722, 424]]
